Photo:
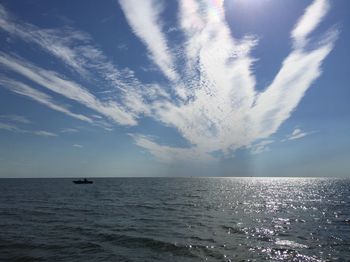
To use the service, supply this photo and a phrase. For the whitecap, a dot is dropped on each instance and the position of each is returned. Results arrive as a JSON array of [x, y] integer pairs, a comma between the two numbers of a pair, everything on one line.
[[290, 243]]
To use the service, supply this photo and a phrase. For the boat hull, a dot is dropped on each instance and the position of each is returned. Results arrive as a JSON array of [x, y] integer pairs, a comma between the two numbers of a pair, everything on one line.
[[82, 182]]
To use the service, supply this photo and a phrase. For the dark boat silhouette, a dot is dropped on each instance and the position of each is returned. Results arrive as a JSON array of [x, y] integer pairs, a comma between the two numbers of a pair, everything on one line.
[[85, 181]]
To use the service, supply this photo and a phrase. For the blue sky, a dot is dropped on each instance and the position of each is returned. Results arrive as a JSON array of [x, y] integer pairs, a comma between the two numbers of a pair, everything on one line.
[[174, 88]]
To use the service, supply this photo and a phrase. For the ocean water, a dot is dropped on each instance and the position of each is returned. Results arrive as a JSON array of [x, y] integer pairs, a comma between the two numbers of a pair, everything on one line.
[[175, 219]]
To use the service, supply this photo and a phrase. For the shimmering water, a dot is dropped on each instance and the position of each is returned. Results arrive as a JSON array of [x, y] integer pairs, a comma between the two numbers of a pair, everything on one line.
[[175, 219]]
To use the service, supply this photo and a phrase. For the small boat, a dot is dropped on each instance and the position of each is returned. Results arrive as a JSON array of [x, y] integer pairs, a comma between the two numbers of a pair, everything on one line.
[[85, 181]]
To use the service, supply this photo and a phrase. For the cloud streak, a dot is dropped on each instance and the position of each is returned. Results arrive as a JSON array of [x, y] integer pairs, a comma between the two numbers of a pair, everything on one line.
[[77, 51], [44, 133], [169, 154], [260, 147], [66, 88], [16, 119], [13, 128], [297, 134], [40, 97], [144, 19], [9, 127], [69, 130], [309, 21]]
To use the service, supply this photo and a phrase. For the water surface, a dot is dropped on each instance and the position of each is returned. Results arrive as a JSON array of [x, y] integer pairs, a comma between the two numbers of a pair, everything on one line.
[[175, 219]]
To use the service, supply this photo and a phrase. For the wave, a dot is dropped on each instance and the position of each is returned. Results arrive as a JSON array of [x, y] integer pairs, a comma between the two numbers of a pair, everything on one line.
[[145, 242]]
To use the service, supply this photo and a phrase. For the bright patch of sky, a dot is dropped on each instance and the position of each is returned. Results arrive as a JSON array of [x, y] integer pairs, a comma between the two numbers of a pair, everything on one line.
[[193, 87]]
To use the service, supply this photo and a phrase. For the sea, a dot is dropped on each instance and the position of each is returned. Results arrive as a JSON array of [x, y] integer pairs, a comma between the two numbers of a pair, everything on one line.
[[175, 219]]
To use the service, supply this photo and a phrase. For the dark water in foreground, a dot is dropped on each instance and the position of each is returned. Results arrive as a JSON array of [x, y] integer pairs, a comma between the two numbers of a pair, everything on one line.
[[175, 219]]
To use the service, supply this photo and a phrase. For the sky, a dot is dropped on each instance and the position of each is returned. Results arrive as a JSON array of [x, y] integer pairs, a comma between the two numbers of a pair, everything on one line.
[[174, 88]]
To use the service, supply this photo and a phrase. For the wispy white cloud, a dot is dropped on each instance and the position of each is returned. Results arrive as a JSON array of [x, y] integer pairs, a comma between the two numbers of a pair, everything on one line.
[[40, 97], [77, 146], [74, 48], [53, 41], [297, 134], [211, 99], [260, 147], [122, 97], [16, 119], [44, 133], [66, 88], [77, 51], [69, 130], [313, 16], [170, 154], [223, 110], [17, 129], [9, 127], [144, 19]]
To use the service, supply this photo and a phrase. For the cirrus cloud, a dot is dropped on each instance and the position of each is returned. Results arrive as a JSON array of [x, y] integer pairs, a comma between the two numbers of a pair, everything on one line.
[[210, 98]]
